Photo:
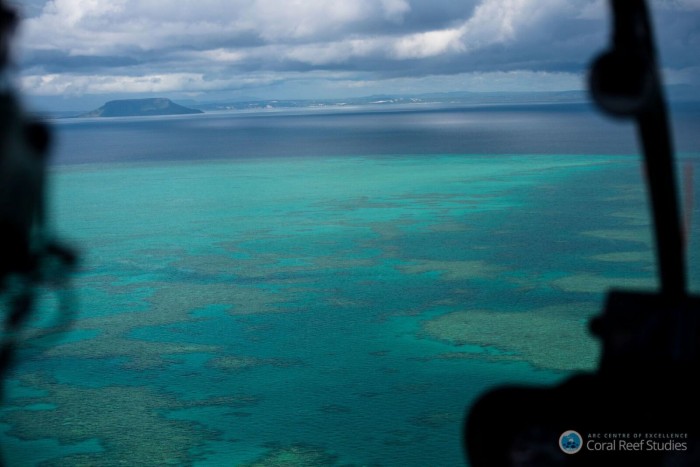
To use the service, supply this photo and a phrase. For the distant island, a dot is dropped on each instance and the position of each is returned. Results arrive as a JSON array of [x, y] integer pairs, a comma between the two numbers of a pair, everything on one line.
[[140, 108]]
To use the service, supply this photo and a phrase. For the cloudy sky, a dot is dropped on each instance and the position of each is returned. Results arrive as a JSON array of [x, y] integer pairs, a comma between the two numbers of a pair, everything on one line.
[[78, 53]]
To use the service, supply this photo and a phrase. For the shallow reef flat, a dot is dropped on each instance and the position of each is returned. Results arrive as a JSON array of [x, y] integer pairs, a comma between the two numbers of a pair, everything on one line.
[[645, 257], [592, 283], [454, 270], [294, 455], [170, 303], [128, 422], [635, 235], [554, 338]]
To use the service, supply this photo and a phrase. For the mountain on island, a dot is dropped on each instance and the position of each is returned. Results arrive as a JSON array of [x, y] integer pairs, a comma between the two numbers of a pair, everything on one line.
[[141, 108]]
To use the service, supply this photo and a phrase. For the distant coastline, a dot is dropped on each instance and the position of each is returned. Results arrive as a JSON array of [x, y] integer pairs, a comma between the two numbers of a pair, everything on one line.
[[157, 106], [680, 98]]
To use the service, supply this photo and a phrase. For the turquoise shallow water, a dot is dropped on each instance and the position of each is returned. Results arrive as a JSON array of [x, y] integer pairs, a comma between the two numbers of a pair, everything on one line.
[[309, 308]]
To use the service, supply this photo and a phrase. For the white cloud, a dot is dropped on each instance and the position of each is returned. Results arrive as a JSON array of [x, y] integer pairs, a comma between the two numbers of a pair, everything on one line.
[[493, 22], [502, 21], [66, 84], [159, 45], [220, 55], [428, 44], [93, 27], [96, 27], [99, 27], [299, 19]]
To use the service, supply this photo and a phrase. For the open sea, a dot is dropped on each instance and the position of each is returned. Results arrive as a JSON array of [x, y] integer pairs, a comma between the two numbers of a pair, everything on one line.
[[325, 287]]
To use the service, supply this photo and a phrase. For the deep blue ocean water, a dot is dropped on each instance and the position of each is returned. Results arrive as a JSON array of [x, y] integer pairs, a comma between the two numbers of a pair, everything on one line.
[[324, 288]]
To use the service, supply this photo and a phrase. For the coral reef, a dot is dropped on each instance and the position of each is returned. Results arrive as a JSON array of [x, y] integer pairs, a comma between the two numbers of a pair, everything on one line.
[[437, 419], [294, 455], [129, 422], [552, 337], [232, 363], [453, 270], [170, 303], [592, 283]]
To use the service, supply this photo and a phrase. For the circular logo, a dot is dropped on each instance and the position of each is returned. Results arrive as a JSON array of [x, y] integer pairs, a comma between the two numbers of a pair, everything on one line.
[[570, 442]]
